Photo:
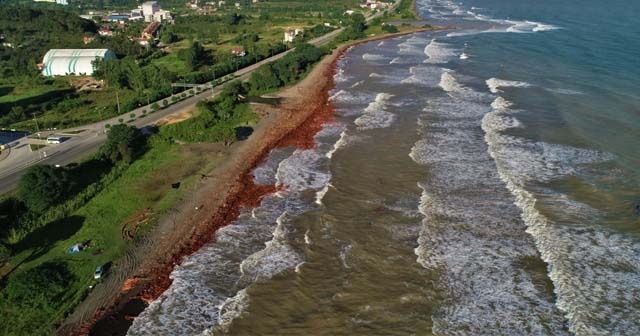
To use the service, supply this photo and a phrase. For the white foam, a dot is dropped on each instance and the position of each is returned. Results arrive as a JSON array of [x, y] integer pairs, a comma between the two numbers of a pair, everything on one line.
[[472, 234], [501, 104], [375, 115], [594, 270], [464, 56], [495, 84], [439, 53], [424, 75], [373, 57]]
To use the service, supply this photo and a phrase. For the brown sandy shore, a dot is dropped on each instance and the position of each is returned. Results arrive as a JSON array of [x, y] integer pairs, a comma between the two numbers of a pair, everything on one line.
[[215, 202]]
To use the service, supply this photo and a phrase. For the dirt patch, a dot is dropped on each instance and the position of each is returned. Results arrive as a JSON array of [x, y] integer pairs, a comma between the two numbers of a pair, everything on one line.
[[175, 118]]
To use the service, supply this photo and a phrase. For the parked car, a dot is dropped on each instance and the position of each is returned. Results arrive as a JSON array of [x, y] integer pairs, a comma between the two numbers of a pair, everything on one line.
[[99, 273]]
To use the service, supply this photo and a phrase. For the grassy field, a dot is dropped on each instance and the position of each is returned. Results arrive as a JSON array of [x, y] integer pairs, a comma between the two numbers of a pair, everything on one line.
[[146, 184], [171, 62]]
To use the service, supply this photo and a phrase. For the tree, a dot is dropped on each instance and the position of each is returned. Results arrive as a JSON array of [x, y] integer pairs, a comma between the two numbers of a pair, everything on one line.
[[168, 37], [42, 286], [124, 143], [194, 56], [43, 186]]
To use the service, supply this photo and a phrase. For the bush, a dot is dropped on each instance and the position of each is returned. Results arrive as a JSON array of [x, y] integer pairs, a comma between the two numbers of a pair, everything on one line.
[[107, 126], [389, 28], [155, 107], [144, 111], [42, 285], [174, 99], [43, 186], [165, 103], [120, 120], [132, 115], [5, 253], [124, 143]]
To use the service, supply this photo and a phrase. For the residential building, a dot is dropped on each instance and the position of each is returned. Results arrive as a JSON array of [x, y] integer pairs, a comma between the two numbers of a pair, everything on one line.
[[290, 34], [151, 30], [238, 51]]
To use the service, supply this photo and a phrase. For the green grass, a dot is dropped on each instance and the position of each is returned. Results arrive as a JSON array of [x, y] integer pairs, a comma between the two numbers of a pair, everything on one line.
[[35, 147], [145, 184], [96, 106], [172, 63]]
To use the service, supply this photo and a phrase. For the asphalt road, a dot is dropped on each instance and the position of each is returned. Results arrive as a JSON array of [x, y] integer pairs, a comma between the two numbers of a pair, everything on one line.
[[80, 145]]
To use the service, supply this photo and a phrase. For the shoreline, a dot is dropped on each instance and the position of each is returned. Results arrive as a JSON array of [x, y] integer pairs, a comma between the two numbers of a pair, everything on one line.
[[303, 111]]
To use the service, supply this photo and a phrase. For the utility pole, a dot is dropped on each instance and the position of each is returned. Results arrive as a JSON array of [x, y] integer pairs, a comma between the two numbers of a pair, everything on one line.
[[36, 120], [118, 101]]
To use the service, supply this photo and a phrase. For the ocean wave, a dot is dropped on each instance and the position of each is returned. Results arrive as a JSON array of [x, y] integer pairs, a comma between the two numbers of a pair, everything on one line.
[[439, 53], [208, 288], [373, 57], [375, 115], [475, 242], [424, 75], [495, 84], [592, 269]]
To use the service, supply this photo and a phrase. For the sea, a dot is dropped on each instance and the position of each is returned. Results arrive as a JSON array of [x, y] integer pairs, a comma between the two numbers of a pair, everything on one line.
[[483, 180]]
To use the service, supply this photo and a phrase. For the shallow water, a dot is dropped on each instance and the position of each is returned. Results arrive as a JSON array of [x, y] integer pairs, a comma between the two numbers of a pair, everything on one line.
[[475, 182]]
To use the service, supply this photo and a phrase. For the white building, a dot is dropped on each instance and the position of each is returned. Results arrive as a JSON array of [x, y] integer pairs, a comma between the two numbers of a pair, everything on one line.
[[290, 34], [62, 62], [162, 15], [148, 9]]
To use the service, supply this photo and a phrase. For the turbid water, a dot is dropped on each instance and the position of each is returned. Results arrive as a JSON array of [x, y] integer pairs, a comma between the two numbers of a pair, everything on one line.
[[481, 181]]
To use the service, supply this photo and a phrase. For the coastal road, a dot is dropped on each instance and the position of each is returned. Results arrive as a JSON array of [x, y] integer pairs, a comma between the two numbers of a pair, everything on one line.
[[83, 141]]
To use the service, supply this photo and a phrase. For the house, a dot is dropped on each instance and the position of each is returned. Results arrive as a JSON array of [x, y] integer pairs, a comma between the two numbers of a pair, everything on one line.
[[105, 31], [150, 31], [290, 34], [162, 15], [238, 51]]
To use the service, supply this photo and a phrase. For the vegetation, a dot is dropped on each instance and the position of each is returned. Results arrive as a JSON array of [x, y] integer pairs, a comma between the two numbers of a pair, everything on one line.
[[284, 71], [34, 244], [356, 25], [404, 11], [43, 186]]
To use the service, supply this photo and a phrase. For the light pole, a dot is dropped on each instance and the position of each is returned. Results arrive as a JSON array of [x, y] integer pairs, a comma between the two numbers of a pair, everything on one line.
[[36, 120]]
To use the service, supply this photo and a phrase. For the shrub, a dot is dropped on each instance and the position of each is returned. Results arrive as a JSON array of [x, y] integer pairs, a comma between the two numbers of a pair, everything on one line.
[[165, 103], [155, 106], [43, 186], [132, 115], [389, 28], [107, 126], [120, 120]]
